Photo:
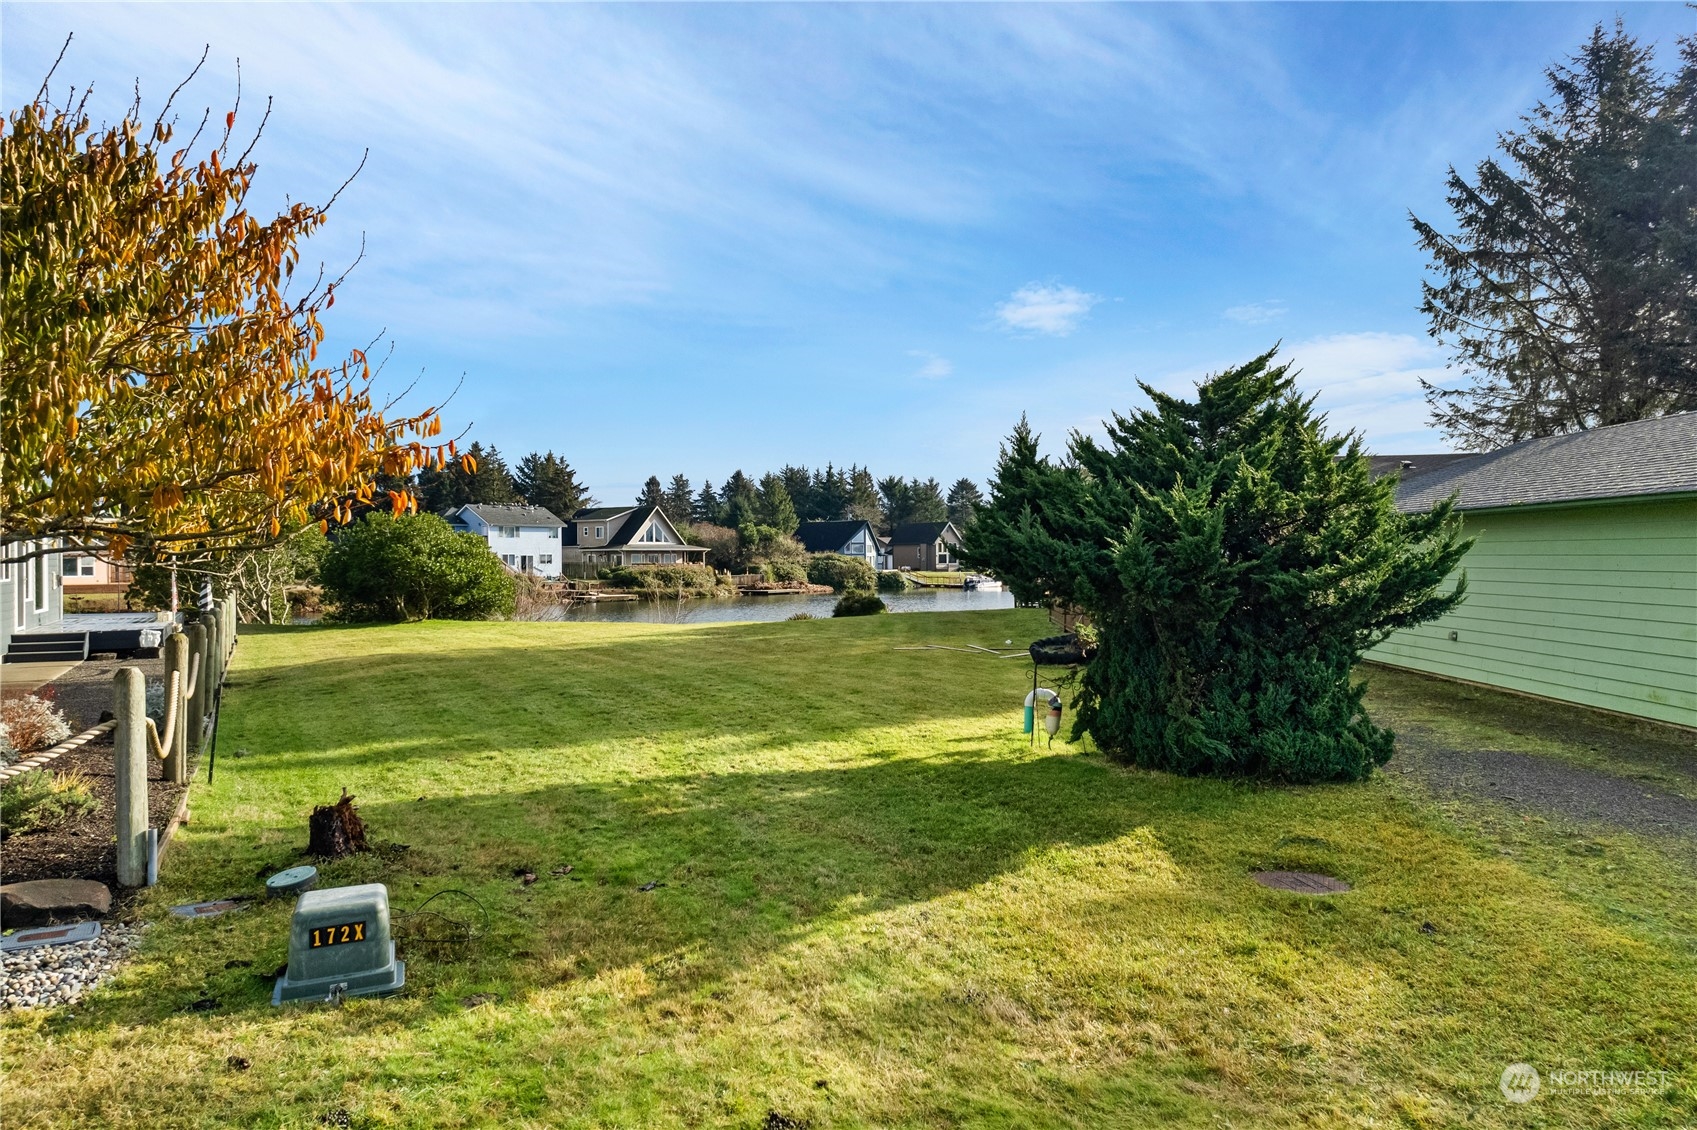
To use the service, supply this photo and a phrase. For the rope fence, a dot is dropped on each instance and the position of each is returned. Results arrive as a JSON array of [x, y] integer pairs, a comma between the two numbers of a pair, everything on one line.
[[77, 741], [195, 661]]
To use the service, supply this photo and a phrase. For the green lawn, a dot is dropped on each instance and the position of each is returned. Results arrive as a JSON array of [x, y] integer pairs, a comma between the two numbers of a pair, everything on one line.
[[881, 909]]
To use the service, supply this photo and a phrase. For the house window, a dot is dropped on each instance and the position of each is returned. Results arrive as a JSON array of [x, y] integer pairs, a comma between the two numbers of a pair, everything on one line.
[[545, 558], [942, 553], [507, 558], [600, 531], [654, 533], [585, 532]]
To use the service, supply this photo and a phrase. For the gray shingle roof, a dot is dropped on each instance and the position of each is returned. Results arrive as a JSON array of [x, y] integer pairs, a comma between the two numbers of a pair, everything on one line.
[[513, 515], [828, 537], [592, 514], [918, 533], [633, 526], [1411, 465], [1645, 457]]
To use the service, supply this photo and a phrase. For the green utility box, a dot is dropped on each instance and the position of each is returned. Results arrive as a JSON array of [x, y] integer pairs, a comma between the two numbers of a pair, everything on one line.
[[339, 946]]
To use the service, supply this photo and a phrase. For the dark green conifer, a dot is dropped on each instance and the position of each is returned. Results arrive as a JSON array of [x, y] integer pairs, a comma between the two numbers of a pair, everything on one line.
[[1235, 561]]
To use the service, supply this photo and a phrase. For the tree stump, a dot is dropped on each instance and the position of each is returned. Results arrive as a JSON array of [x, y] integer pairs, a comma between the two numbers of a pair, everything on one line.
[[335, 830]]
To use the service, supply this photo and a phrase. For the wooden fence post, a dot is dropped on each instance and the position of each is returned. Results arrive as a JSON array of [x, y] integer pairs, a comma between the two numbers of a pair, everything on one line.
[[129, 744], [214, 652], [230, 612], [177, 660], [196, 719]]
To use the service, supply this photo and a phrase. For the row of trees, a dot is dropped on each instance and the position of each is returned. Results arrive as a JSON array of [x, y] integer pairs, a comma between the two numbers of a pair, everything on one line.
[[787, 497], [540, 479], [780, 500]]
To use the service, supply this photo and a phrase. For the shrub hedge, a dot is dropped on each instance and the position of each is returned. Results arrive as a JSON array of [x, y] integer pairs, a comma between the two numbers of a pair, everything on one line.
[[662, 578], [860, 604], [415, 567], [892, 581], [843, 574]]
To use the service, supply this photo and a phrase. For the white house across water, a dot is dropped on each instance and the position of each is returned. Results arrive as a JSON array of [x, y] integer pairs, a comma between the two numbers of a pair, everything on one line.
[[527, 539]]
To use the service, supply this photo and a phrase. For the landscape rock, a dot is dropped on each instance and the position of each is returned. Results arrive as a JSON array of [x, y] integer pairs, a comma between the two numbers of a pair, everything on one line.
[[43, 901], [53, 976]]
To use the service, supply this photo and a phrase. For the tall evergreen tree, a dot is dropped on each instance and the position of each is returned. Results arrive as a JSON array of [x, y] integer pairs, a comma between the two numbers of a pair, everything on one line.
[[775, 510], [897, 498], [653, 494], [1236, 562], [863, 497], [925, 502], [492, 482], [456, 484], [798, 481], [549, 482], [964, 500], [831, 495], [679, 500], [738, 501], [1569, 293], [707, 508]]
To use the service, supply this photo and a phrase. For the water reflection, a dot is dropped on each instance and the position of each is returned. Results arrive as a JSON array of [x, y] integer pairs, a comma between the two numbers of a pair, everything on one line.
[[750, 608]]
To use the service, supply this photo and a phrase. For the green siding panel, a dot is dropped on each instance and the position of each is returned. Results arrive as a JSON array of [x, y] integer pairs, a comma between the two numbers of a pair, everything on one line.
[[1595, 605]]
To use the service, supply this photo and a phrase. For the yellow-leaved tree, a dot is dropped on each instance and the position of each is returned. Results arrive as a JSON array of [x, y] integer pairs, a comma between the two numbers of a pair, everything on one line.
[[163, 392]]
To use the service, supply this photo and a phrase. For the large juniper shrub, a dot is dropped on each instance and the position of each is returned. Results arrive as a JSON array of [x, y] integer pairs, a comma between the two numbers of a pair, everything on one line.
[[892, 581], [842, 573], [1235, 561], [415, 567], [859, 603]]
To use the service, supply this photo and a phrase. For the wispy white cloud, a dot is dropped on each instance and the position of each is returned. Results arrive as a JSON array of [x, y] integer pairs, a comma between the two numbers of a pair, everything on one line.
[[1051, 309], [1367, 382], [934, 367], [1256, 313], [1370, 383]]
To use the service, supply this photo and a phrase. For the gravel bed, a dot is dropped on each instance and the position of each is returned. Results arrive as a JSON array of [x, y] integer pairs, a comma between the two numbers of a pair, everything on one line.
[[50, 976], [1550, 787]]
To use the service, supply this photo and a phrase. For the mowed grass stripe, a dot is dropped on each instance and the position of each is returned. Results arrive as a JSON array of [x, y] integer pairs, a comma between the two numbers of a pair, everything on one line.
[[872, 883]]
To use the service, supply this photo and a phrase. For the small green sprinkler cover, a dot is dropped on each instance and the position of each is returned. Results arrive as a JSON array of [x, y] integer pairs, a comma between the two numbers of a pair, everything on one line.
[[292, 882]]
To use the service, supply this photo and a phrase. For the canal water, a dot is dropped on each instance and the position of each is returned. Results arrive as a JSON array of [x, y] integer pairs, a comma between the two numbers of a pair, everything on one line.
[[710, 610]]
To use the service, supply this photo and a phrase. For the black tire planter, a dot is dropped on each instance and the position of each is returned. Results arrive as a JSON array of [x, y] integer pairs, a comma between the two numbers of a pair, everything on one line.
[[1061, 651]]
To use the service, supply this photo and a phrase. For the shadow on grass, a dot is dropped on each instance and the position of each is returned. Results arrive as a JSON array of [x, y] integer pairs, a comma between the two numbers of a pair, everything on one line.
[[747, 862]]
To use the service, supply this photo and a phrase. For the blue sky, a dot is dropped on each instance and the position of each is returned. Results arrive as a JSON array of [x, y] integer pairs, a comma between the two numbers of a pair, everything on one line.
[[693, 238]]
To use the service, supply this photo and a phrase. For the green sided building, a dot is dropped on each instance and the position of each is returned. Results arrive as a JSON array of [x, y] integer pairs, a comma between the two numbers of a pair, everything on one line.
[[1582, 585]]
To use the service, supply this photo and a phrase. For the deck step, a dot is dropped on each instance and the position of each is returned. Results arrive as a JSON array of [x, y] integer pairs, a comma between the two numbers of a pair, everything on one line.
[[48, 647]]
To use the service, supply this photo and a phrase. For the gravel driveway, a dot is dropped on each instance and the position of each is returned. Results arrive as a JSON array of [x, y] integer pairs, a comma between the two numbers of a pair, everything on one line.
[[1465, 742], [1545, 785]]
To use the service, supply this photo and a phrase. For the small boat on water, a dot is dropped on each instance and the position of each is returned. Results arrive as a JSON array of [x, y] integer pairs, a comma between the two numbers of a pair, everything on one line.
[[975, 583]]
